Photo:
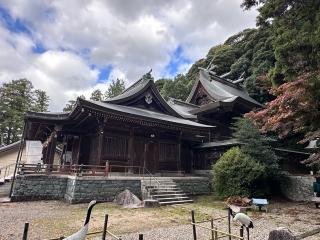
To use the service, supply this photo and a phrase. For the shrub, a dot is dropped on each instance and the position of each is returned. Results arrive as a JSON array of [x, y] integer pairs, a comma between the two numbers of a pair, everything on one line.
[[237, 174]]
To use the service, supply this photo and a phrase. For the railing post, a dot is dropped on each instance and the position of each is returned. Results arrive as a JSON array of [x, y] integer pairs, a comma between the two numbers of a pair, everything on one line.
[[193, 226], [25, 231], [105, 226], [229, 222], [107, 168]]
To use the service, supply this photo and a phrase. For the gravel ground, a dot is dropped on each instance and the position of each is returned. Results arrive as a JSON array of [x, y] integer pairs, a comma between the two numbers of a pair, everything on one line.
[[298, 218], [49, 218]]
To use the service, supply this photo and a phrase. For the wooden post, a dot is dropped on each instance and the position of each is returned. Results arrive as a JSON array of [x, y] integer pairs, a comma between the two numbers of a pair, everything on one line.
[[105, 226], [140, 236], [179, 152], [216, 234], [52, 148], [25, 231], [193, 226], [100, 143], [241, 231], [229, 222], [131, 150], [212, 231]]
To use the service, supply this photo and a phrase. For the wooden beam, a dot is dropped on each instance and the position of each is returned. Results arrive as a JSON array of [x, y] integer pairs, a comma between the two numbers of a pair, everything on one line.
[[82, 121]]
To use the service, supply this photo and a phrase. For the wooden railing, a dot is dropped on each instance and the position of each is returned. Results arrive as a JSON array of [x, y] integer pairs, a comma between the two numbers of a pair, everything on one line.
[[81, 170]]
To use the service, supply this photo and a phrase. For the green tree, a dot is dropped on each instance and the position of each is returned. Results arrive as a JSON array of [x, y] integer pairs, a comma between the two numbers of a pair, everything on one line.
[[41, 101], [71, 104], [255, 145], [178, 88], [160, 83], [17, 97], [96, 95], [116, 87], [295, 27], [237, 174]]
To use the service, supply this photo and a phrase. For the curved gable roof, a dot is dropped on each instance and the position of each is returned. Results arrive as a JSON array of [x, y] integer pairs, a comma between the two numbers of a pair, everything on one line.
[[141, 87], [220, 89]]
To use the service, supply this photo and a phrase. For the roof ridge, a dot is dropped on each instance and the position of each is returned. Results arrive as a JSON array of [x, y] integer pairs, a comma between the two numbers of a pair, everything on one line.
[[134, 85], [181, 101], [225, 81]]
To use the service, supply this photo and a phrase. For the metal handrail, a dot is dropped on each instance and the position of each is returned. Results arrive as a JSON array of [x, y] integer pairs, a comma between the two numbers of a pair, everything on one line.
[[151, 176], [6, 170]]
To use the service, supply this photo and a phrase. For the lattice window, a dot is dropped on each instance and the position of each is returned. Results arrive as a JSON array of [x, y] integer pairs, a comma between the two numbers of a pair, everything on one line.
[[115, 148]]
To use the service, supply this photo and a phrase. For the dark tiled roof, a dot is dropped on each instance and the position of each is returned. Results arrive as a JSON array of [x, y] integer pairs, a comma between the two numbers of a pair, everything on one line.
[[147, 114], [221, 89]]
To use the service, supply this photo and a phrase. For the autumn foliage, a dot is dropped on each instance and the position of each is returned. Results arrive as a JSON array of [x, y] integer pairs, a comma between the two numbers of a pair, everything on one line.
[[296, 108]]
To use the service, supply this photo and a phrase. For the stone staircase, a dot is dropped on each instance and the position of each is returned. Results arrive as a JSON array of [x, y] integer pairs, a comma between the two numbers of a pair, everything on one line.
[[166, 191], [5, 185]]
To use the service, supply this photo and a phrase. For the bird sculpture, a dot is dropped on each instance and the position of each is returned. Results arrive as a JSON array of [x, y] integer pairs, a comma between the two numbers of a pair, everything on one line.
[[81, 234], [244, 220]]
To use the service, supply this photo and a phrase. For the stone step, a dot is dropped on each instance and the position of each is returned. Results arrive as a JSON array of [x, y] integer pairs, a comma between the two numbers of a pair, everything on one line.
[[176, 202], [166, 192], [158, 196], [160, 200]]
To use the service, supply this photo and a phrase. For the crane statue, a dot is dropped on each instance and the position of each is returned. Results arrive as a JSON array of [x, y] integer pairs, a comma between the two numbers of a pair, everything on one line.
[[244, 220], [81, 234]]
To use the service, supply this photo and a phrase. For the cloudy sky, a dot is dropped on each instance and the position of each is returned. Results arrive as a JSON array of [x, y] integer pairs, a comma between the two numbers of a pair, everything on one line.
[[72, 47]]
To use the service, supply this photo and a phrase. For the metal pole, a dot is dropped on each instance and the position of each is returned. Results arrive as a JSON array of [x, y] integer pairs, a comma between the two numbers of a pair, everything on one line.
[[18, 158], [229, 222], [25, 231], [104, 233], [193, 226], [140, 236]]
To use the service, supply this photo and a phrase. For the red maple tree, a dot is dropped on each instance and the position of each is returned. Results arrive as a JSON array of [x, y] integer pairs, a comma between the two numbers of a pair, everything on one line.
[[296, 109]]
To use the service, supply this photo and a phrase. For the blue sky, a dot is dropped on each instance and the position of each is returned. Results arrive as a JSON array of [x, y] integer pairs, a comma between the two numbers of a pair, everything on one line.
[[69, 48]]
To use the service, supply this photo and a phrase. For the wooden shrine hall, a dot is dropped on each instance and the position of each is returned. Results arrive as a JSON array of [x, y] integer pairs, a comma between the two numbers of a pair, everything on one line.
[[140, 129]]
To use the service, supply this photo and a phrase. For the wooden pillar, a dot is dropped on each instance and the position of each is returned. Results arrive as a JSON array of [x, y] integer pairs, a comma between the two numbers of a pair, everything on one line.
[[47, 153], [52, 147], [131, 149], [179, 152], [99, 143], [76, 150]]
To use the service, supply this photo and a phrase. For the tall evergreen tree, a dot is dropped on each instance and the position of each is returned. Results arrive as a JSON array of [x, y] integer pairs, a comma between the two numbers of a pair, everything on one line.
[[41, 101], [116, 87], [17, 97], [96, 95]]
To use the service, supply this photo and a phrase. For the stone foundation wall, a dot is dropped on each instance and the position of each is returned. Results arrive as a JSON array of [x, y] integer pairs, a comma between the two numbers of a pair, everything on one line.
[[298, 188], [194, 185], [85, 189], [39, 187], [72, 189]]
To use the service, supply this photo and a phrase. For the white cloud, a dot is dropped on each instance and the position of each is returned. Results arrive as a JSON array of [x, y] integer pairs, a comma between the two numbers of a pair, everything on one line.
[[131, 36]]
